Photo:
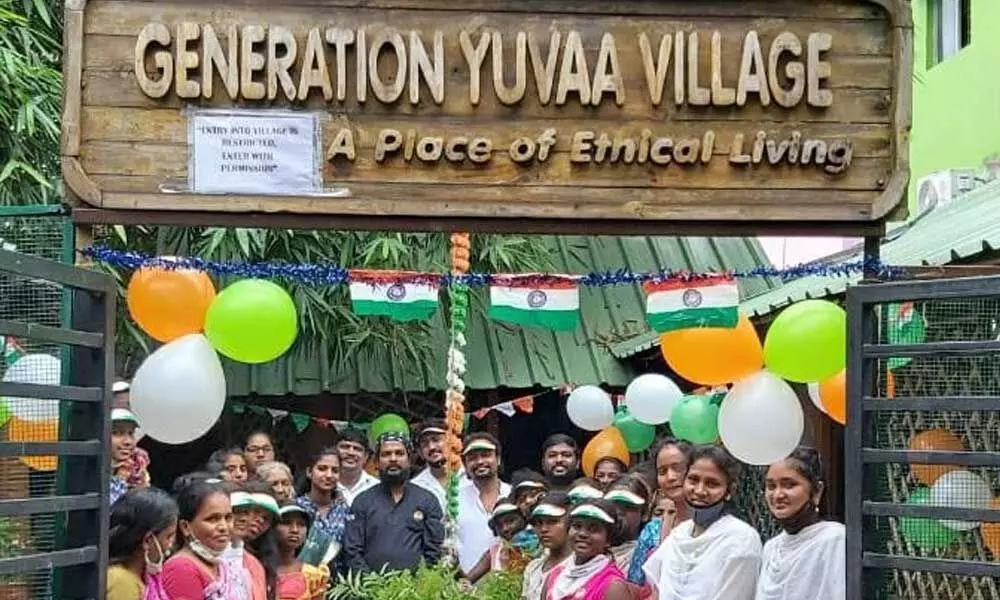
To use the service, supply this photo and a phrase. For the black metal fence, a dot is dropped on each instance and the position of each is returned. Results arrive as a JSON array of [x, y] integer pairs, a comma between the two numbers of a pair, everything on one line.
[[54, 399], [922, 448]]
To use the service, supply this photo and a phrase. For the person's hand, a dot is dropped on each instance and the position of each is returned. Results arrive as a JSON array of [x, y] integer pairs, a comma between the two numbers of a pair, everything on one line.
[[123, 470]]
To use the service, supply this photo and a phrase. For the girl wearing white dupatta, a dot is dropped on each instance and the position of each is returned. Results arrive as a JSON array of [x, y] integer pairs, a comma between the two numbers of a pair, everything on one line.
[[714, 555], [806, 560]]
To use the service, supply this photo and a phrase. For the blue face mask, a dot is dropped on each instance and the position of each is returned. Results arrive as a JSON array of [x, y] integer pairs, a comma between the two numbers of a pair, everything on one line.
[[703, 516], [527, 541]]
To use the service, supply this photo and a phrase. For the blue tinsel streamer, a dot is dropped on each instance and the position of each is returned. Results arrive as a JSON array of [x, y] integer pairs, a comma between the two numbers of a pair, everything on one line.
[[329, 274]]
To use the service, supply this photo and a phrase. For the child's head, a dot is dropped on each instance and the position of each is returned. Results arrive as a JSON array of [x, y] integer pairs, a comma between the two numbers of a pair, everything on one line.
[[585, 488], [665, 509], [507, 520], [631, 496], [292, 528], [608, 470], [529, 487], [549, 519]]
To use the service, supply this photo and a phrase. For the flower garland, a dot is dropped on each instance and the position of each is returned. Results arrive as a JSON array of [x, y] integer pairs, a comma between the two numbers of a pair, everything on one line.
[[331, 274], [458, 294]]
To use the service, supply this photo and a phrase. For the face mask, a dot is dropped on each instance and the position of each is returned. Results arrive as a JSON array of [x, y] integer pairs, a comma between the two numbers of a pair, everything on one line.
[[204, 552], [806, 516], [703, 516], [153, 567]]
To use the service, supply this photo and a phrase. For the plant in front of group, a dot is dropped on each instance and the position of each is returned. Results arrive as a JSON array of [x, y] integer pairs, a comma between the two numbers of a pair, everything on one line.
[[438, 582]]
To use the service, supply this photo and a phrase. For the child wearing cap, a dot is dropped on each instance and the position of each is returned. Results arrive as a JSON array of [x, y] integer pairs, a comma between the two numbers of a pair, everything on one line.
[[250, 572], [548, 518], [584, 489], [631, 496], [296, 580], [529, 487], [503, 555], [129, 463], [590, 573]]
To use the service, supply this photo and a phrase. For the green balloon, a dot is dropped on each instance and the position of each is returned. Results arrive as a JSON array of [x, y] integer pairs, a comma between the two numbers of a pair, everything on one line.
[[904, 329], [638, 436], [252, 321], [387, 423], [928, 534], [807, 342], [695, 419], [4, 413]]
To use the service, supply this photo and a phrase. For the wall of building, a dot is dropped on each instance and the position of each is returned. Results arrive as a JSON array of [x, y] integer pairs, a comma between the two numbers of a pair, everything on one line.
[[956, 103]]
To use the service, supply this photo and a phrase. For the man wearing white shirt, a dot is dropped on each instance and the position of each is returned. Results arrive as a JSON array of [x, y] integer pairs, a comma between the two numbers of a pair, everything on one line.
[[430, 443], [476, 501], [353, 451]]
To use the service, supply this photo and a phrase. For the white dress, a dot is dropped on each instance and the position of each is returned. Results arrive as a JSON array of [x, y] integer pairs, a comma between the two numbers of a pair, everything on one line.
[[809, 564], [720, 564]]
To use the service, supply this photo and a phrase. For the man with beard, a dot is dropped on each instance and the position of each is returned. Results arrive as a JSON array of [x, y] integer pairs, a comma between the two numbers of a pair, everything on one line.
[[394, 524], [430, 443], [353, 452], [560, 461], [476, 502]]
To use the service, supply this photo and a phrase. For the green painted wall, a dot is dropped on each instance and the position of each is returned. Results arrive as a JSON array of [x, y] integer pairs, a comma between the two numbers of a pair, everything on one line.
[[956, 103]]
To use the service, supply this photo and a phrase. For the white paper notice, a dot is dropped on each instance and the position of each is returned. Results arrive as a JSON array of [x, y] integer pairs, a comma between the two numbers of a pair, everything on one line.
[[253, 152]]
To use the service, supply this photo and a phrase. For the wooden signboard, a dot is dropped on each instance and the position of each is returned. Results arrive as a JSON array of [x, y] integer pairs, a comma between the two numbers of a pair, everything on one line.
[[582, 115]]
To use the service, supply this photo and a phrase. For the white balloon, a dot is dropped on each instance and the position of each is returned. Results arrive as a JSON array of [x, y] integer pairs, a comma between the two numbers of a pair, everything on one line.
[[651, 398], [38, 369], [813, 389], [179, 391], [761, 420], [590, 408], [960, 489]]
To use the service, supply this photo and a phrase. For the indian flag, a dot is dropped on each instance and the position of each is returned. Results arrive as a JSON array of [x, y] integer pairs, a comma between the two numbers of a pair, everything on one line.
[[550, 301], [685, 304], [401, 296]]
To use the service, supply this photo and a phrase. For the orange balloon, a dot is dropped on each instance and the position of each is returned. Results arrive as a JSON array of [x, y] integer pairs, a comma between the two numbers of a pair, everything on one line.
[[934, 439], [714, 355], [168, 304], [20, 430], [607, 443], [833, 393], [991, 532]]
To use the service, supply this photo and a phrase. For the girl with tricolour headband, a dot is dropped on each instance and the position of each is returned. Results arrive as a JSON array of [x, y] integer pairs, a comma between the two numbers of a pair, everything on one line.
[[590, 573], [548, 518], [714, 555]]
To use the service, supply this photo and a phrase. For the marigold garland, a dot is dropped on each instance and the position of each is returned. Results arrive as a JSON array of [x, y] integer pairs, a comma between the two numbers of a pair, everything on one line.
[[458, 294]]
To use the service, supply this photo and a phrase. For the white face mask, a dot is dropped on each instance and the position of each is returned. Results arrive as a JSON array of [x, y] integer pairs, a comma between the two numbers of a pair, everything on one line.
[[204, 552], [154, 566]]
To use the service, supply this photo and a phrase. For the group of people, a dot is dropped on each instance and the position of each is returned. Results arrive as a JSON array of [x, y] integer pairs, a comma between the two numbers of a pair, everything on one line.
[[662, 530]]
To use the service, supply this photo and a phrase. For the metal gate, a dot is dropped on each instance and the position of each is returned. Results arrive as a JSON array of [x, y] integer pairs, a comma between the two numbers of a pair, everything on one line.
[[922, 447], [56, 396]]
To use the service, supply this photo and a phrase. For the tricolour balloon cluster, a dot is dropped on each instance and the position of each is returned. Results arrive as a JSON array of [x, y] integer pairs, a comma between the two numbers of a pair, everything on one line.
[[806, 343], [179, 391], [947, 486]]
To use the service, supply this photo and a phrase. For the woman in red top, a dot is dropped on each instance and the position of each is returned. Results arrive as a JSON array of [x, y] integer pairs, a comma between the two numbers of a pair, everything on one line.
[[197, 571]]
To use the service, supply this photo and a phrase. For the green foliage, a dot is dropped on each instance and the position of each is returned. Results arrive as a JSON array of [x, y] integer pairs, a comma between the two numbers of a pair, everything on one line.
[[325, 318], [439, 582], [30, 92]]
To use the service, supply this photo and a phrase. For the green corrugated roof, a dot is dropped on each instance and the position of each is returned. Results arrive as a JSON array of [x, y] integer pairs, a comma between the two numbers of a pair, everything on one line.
[[501, 355], [967, 226]]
